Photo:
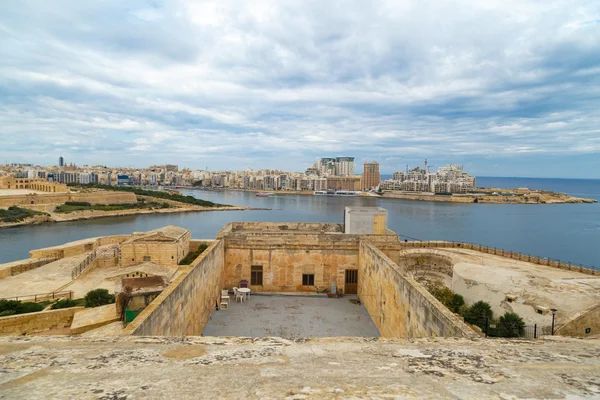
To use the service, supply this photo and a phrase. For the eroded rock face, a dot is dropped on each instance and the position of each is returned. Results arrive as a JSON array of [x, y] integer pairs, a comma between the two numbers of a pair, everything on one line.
[[209, 367]]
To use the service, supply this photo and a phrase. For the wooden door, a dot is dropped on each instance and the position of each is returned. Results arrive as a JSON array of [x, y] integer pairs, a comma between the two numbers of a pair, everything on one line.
[[379, 225], [351, 282]]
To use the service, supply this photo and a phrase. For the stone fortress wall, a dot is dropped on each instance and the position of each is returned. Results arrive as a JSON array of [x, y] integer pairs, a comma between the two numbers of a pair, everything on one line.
[[38, 322], [398, 305], [99, 197], [185, 306], [11, 182]]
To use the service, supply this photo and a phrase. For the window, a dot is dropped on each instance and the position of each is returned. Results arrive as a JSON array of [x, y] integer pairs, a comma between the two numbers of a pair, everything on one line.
[[147, 258], [256, 275], [308, 279]]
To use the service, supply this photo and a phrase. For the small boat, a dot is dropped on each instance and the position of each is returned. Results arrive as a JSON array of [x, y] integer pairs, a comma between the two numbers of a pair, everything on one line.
[[262, 194]]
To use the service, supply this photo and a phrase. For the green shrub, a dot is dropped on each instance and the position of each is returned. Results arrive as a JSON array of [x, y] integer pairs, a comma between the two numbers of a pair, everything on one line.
[[13, 307], [478, 312], [192, 255], [98, 297], [78, 203], [64, 303], [510, 325], [456, 303]]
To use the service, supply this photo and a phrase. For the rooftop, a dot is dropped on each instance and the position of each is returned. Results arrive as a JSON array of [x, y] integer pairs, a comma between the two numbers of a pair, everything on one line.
[[332, 368], [170, 232]]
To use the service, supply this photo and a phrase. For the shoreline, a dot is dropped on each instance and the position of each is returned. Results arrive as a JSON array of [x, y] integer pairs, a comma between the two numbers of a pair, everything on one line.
[[88, 215], [531, 197]]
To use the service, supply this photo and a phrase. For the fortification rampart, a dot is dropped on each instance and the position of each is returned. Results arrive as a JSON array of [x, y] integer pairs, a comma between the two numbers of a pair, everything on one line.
[[61, 198], [398, 305], [77, 247], [585, 323], [26, 324], [498, 252], [20, 266], [186, 305]]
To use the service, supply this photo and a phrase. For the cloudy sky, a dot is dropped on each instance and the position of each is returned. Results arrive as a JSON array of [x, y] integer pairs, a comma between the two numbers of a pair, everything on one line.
[[507, 88]]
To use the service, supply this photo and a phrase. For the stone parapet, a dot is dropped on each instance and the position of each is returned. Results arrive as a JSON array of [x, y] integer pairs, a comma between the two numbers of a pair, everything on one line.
[[26, 324]]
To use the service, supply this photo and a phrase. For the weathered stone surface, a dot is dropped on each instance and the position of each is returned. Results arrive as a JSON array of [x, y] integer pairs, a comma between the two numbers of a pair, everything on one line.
[[272, 368]]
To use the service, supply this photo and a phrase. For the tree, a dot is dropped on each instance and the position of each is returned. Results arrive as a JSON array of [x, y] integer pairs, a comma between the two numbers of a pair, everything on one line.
[[456, 304], [478, 313], [510, 325], [98, 297]]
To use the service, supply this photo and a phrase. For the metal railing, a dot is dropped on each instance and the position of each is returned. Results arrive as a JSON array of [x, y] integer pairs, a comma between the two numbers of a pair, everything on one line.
[[41, 296], [418, 243], [78, 270], [511, 328]]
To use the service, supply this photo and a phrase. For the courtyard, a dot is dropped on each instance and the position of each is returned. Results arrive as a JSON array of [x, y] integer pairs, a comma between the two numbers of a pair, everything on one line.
[[290, 316]]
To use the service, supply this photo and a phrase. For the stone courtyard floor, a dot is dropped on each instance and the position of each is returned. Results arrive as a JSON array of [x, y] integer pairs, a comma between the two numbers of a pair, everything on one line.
[[292, 317]]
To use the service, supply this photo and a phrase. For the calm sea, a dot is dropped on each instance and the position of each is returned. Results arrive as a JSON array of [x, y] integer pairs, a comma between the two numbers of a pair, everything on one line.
[[569, 232]]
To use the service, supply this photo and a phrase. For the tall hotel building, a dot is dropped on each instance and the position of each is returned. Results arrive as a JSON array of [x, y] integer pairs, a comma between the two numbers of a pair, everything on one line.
[[371, 177]]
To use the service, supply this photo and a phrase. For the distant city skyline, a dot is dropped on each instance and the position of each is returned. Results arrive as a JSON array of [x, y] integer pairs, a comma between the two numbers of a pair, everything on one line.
[[231, 84], [517, 169]]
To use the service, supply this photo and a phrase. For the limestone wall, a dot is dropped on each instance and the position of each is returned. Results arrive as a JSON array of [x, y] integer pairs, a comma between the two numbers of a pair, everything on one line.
[[499, 252], [283, 268], [412, 259], [61, 198], [186, 305], [25, 324], [167, 253], [78, 247], [397, 304], [17, 267], [578, 324]]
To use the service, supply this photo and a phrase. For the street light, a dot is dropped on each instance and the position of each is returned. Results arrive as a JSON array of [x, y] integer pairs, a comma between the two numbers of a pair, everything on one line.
[[554, 310]]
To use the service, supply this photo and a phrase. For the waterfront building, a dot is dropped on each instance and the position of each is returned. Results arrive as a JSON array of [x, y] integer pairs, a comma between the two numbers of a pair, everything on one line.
[[371, 176], [351, 183], [61, 161], [344, 166]]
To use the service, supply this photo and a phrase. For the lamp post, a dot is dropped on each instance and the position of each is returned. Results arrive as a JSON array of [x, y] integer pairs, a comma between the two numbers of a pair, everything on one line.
[[554, 310]]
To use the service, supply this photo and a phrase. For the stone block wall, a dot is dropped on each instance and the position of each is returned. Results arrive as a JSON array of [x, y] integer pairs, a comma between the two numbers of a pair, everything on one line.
[[61, 198], [283, 268], [397, 304], [578, 324], [76, 248], [185, 306], [25, 324], [17, 267]]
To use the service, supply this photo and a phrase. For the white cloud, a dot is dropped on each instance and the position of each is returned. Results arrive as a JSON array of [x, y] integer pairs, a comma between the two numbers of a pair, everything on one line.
[[249, 82]]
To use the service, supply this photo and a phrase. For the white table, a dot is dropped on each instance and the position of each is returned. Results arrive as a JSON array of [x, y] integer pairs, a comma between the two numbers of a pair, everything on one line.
[[245, 291]]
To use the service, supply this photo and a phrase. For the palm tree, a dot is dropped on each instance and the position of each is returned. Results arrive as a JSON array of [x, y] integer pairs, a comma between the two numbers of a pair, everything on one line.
[[510, 325]]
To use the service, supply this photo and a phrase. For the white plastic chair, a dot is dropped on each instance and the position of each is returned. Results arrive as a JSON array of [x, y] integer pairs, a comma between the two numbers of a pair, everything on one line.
[[238, 295]]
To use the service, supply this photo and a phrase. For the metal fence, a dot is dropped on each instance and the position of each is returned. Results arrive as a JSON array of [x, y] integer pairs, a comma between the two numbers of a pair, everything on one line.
[[411, 242], [41, 296], [511, 328], [83, 265]]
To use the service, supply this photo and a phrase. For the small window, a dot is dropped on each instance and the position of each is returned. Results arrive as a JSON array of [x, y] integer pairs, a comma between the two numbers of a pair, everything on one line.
[[133, 259], [540, 311], [172, 257], [308, 279], [147, 258], [256, 275]]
